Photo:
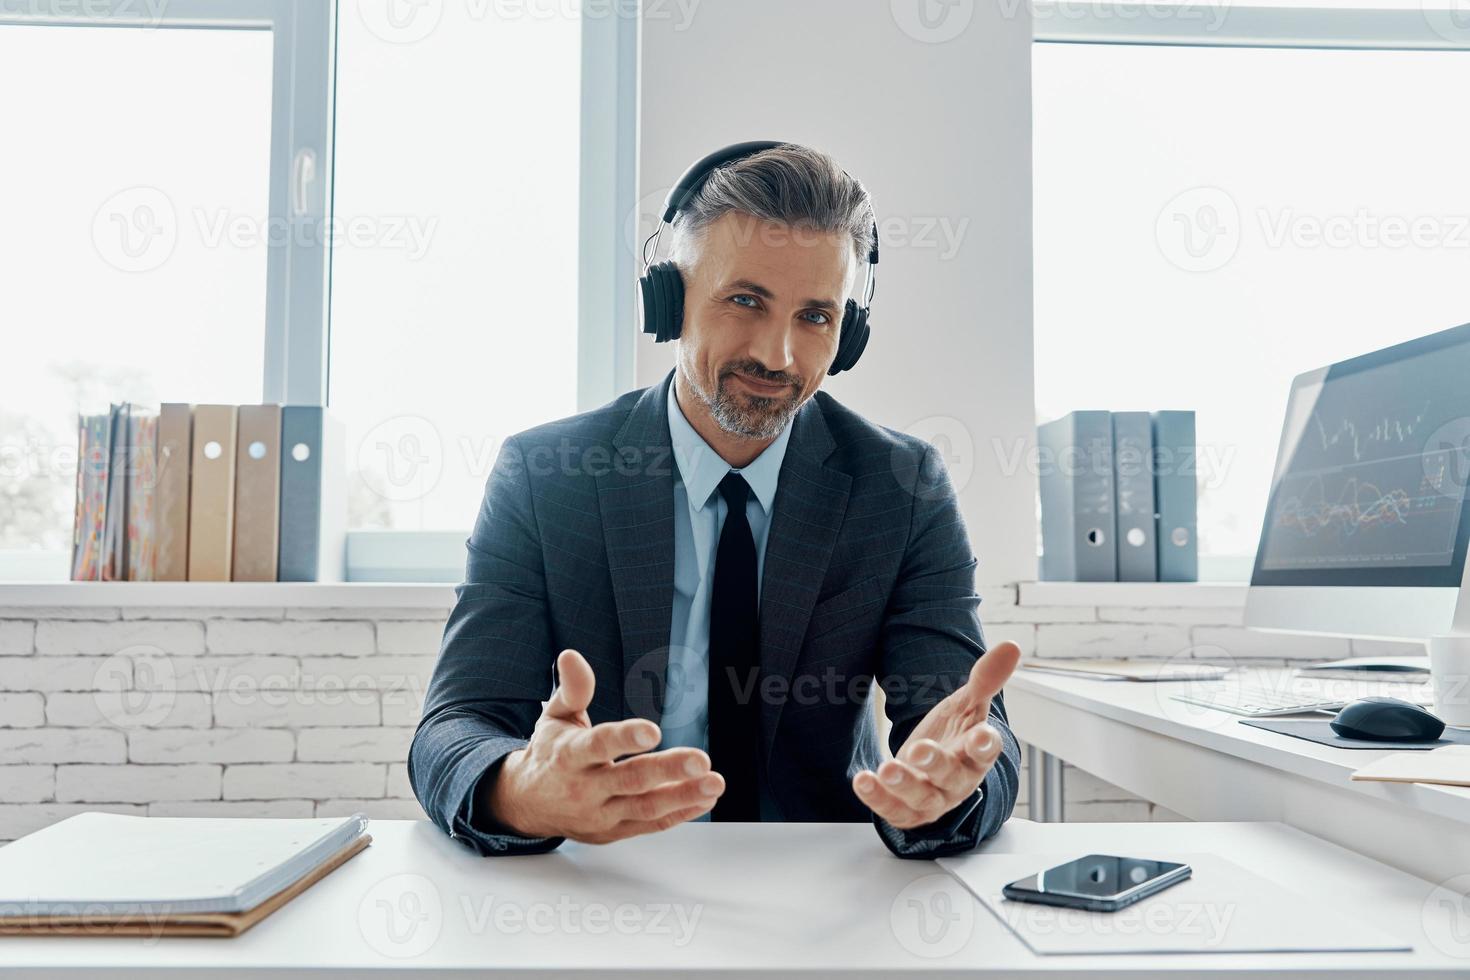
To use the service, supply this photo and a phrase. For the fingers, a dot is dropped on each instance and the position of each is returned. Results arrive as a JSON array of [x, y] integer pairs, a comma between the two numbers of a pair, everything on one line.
[[608, 741], [655, 804], [645, 772], [992, 670], [952, 770], [913, 789], [885, 803], [575, 684], [634, 828]]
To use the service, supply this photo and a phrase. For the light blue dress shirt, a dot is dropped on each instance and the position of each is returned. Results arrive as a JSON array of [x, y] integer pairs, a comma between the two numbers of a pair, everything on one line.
[[699, 514]]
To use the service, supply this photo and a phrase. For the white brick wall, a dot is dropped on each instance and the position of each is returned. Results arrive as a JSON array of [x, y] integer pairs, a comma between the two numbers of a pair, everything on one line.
[[302, 711], [177, 711]]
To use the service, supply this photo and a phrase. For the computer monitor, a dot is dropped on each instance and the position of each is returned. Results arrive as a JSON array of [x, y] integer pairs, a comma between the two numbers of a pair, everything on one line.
[[1366, 527]]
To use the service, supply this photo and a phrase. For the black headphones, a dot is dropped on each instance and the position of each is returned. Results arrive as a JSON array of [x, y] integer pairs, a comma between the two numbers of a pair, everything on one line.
[[663, 289]]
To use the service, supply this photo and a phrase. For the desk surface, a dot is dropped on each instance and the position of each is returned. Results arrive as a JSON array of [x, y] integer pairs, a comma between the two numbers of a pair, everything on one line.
[[737, 899], [1151, 707]]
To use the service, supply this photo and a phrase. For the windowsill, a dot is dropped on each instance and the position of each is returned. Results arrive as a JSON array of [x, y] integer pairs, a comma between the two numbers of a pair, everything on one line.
[[1133, 594], [434, 595], [343, 595]]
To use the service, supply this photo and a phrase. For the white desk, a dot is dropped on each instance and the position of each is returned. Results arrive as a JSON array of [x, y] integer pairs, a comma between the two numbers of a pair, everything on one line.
[[770, 899], [1206, 765]]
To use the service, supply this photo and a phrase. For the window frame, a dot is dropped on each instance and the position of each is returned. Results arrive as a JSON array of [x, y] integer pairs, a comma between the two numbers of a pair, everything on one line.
[[1213, 23]]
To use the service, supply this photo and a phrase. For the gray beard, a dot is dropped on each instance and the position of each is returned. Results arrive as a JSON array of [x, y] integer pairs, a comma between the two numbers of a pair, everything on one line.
[[762, 418]]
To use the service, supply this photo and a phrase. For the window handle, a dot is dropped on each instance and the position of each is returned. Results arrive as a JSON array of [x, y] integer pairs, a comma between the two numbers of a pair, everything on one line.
[[303, 172]]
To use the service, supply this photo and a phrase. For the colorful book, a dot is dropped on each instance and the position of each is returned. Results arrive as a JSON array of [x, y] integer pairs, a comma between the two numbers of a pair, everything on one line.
[[142, 486], [94, 455]]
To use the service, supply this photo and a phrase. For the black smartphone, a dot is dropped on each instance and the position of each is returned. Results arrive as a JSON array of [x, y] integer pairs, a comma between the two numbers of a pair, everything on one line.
[[1098, 882]]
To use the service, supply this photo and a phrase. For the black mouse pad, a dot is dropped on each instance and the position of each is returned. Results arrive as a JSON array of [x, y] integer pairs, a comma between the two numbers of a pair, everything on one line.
[[1320, 730]]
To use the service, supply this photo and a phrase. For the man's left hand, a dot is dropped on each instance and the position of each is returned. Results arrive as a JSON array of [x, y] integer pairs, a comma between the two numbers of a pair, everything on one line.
[[948, 753]]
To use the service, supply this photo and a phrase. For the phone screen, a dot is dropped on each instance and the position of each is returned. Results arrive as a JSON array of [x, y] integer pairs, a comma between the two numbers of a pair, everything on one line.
[[1096, 876]]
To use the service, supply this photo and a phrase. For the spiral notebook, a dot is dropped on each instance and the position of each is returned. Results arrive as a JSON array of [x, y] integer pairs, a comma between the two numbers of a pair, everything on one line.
[[111, 874]]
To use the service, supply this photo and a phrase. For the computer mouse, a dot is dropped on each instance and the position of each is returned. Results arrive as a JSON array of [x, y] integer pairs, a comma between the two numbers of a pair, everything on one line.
[[1387, 720]]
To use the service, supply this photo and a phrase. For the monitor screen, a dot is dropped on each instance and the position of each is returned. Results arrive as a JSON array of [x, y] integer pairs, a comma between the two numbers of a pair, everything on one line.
[[1370, 479]]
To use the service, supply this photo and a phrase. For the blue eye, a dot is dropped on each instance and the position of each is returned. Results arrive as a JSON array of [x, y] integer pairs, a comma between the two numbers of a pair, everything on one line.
[[818, 317], [741, 298]]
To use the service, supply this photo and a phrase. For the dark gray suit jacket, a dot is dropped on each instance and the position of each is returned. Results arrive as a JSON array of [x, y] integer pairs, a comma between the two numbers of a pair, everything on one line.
[[868, 575]]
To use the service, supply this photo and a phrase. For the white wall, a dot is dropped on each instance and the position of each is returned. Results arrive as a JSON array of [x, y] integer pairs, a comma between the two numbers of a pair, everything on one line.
[[940, 132]]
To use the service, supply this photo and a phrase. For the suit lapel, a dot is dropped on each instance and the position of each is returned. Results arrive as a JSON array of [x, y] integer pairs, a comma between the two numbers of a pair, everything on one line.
[[636, 499], [810, 504]]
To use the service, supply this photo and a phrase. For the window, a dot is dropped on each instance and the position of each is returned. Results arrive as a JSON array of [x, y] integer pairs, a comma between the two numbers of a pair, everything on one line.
[[146, 192], [1212, 220], [172, 243], [455, 302]]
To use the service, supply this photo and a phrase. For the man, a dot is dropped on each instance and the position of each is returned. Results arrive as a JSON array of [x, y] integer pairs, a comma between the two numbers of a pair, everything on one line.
[[726, 562]]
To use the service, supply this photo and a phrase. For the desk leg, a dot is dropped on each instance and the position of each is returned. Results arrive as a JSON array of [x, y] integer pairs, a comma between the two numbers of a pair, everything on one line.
[[1044, 785]]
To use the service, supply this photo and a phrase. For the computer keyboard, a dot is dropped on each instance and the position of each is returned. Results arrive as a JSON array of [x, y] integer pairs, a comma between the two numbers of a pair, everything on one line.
[[1259, 703]]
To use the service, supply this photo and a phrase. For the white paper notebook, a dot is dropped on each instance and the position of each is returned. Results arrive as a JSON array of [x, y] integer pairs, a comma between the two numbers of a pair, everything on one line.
[[1222, 908], [112, 864], [1448, 766]]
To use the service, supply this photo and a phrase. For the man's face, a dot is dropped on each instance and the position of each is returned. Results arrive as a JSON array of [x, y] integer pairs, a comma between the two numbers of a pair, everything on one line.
[[763, 307]]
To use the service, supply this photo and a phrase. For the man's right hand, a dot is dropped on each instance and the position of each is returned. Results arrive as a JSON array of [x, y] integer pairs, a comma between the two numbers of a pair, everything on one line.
[[573, 781]]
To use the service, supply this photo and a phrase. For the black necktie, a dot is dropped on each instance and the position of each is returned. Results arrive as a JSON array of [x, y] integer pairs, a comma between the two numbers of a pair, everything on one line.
[[734, 660]]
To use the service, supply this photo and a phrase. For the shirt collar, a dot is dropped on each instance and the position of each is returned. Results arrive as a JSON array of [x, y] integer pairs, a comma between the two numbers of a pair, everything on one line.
[[702, 469]]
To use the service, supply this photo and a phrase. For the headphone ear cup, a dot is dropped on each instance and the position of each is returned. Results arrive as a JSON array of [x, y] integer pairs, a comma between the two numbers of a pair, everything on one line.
[[673, 300], [852, 339], [665, 299], [649, 292]]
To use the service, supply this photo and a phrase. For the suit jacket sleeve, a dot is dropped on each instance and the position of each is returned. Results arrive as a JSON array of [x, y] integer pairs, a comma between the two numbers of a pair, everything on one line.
[[494, 669], [931, 638]]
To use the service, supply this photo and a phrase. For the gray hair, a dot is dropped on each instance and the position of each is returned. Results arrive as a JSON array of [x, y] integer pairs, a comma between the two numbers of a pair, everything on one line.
[[791, 184]]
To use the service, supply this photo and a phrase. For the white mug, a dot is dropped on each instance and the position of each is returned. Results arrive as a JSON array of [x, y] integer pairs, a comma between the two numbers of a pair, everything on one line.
[[1449, 669]]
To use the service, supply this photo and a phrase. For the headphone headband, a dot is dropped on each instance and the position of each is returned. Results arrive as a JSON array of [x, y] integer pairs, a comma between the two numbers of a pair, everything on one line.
[[694, 178]]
